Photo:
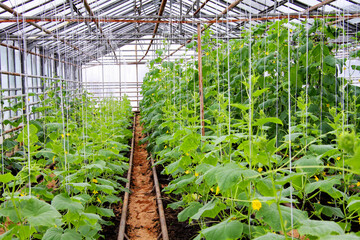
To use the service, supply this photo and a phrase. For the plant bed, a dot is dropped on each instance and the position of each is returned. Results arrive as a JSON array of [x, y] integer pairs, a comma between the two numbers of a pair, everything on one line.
[[176, 230]]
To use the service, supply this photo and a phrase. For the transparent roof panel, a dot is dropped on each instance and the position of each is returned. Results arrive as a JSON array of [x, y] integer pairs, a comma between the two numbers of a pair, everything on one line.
[[87, 36]]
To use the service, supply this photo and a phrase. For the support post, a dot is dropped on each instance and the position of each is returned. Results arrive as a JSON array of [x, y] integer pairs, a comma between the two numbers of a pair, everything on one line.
[[201, 93], [137, 78]]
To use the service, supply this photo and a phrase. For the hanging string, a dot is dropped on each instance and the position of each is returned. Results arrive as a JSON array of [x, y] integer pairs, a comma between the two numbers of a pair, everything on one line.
[[250, 111], [228, 81], [322, 35], [289, 116], [277, 80], [62, 113], [307, 80], [27, 106], [218, 84]]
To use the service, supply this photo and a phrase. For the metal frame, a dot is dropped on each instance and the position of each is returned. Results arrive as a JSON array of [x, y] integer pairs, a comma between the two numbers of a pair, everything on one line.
[[72, 35]]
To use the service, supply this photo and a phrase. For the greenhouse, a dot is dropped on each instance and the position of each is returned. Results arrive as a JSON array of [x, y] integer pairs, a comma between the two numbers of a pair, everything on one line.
[[180, 119]]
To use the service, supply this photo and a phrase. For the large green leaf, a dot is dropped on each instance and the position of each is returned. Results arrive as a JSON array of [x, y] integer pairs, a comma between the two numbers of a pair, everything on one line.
[[271, 216], [319, 228], [321, 149], [38, 213], [270, 236], [308, 160], [64, 202], [210, 209], [190, 142], [225, 230], [7, 177], [340, 237], [59, 234], [228, 176], [330, 60], [24, 136], [189, 211], [262, 121]]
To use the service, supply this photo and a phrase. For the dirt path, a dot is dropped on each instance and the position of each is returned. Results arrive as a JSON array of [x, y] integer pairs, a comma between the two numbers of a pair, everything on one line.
[[143, 220]]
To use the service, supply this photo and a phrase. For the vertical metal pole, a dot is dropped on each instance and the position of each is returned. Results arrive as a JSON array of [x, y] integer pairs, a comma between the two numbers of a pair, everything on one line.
[[120, 74], [201, 94], [137, 78]]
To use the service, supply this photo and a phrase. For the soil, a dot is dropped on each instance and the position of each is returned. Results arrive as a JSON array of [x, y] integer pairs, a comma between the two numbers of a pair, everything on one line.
[[110, 232], [176, 230], [143, 220]]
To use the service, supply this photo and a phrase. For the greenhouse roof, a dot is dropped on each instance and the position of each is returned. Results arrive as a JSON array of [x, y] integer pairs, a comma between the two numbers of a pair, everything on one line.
[[85, 30]]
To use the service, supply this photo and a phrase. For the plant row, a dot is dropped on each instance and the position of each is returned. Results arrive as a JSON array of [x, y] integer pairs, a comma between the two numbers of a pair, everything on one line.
[[280, 158], [63, 171]]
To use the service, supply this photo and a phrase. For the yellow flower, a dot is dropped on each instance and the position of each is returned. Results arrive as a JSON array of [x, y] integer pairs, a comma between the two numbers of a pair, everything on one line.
[[22, 195], [95, 192], [344, 68], [207, 54], [54, 168], [212, 189], [358, 184], [152, 94], [187, 172], [256, 204], [267, 53], [260, 169], [327, 165], [66, 152], [29, 99], [217, 190], [196, 174], [340, 173], [95, 181], [273, 61], [165, 147], [316, 178], [160, 70], [55, 225], [68, 134], [242, 45], [167, 131], [187, 154], [291, 30], [98, 199], [62, 135], [338, 158], [328, 105], [112, 147]]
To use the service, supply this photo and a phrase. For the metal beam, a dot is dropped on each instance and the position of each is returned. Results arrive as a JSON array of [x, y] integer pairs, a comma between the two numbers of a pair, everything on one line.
[[323, 3], [161, 10], [88, 8], [16, 14], [226, 10]]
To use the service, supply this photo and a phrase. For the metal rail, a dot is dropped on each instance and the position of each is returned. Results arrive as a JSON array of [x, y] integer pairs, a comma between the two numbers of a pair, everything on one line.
[[164, 231], [195, 21], [20, 16], [121, 234]]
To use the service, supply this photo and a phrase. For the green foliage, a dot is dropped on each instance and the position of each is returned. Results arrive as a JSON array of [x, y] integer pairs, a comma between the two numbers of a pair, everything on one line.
[[78, 153], [280, 152]]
